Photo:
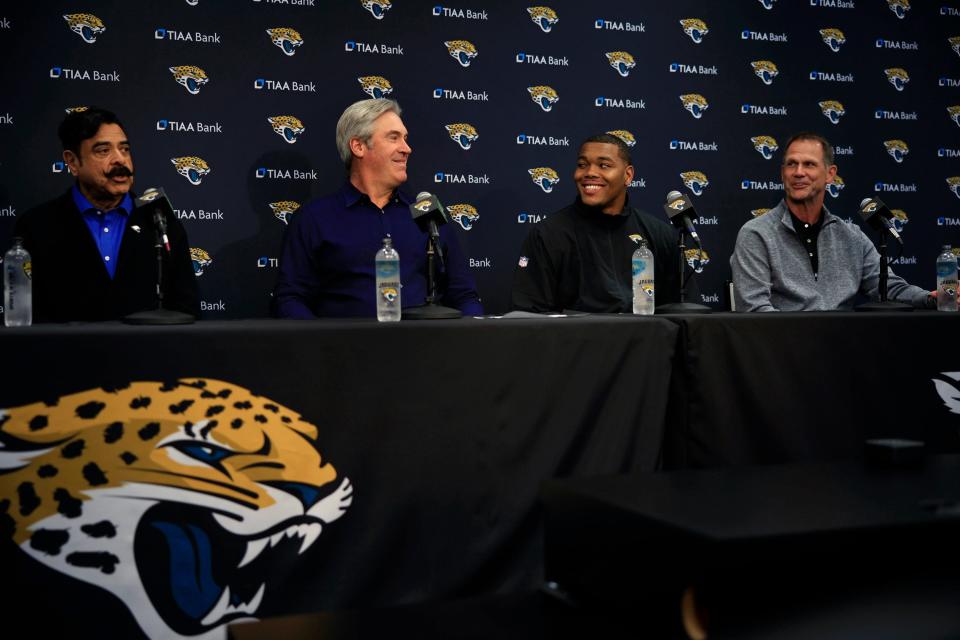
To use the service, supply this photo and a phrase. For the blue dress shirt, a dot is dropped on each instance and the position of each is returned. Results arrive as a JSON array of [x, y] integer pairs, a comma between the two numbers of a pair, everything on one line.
[[327, 262], [106, 227]]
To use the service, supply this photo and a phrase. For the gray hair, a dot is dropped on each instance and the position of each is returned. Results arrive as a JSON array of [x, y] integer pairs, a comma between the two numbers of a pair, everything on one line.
[[357, 122]]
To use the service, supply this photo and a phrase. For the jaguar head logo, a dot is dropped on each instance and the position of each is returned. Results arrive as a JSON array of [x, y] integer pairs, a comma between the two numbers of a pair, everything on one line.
[[953, 183], [695, 28], [623, 134], [544, 177], [897, 77], [897, 149], [954, 112], [76, 109], [543, 17], [695, 103], [955, 44], [834, 188], [621, 61], [636, 238], [543, 96], [377, 8], [287, 127], [696, 181], [832, 110], [284, 209], [462, 51], [833, 38], [767, 4], [463, 134], [200, 259], [192, 168], [286, 39], [765, 70], [192, 78], [389, 294], [765, 146], [375, 86], [464, 214], [697, 259], [899, 7], [899, 219], [85, 25], [756, 213]]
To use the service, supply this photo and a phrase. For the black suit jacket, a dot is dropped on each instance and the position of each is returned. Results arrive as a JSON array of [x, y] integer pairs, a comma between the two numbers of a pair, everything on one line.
[[70, 281]]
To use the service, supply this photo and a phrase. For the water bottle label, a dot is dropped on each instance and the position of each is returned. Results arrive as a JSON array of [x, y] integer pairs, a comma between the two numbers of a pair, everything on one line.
[[639, 266], [647, 288], [387, 269], [945, 270], [948, 287], [389, 293]]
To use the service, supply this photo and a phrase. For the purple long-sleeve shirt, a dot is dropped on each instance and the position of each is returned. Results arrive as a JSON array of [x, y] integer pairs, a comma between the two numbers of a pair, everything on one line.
[[327, 263]]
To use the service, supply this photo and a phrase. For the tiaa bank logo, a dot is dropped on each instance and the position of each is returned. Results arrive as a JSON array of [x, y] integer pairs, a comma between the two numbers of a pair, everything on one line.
[[695, 103], [287, 127], [192, 78], [543, 17], [623, 134], [462, 51], [765, 70], [833, 38], [897, 77], [621, 61], [284, 209], [85, 25], [545, 97], [954, 112], [834, 188], [696, 181], [695, 28], [953, 184], [697, 259], [899, 219], [897, 149], [544, 177], [464, 214], [377, 8], [286, 39], [200, 259], [765, 146], [375, 86], [832, 110], [955, 44], [899, 7], [192, 168], [463, 134]]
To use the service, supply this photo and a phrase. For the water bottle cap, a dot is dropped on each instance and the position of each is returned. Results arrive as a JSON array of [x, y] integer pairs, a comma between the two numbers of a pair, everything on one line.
[[387, 240], [947, 247]]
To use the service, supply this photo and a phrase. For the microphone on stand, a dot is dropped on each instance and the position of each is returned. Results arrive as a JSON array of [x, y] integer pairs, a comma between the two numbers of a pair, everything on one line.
[[878, 215], [155, 199], [429, 214], [679, 209]]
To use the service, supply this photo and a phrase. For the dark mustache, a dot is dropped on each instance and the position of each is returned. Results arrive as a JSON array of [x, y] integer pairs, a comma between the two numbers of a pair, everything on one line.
[[121, 172]]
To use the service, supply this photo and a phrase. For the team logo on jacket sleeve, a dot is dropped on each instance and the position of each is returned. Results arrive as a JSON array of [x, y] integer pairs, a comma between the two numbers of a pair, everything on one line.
[[464, 214], [832, 110], [85, 25], [765, 146], [200, 259], [375, 86], [953, 184], [545, 97], [897, 77], [756, 213], [463, 134], [462, 51], [954, 112], [287, 127], [695, 103], [696, 181], [377, 8], [697, 259], [543, 17], [623, 134], [192, 168], [899, 7], [284, 209], [833, 38], [834, 188], [286, 39], [544, 177], [192, 78], [765, 70], [897, 149], [621, 61], [695, 28]]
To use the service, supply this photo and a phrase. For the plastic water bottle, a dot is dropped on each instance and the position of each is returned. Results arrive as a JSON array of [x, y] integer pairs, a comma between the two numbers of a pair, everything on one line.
[[17, 286], [643, 294], [946, 280], [388, 282]]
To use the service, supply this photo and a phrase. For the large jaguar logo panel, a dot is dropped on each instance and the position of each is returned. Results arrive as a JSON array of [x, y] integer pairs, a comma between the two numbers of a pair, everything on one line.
[[192, 78], [695, 28], [464, 214], [287, 127], [832, 110], [765, 146], [85, 25], [897, 77], [463, 134], [192, 168], [462, 51], [695, 103], [545, 97], [544, 177], [696, 181], [174, 497], [765, 70], [286, 39], [621, 61], [833, 38], [897, 149], [543, 17], [375, 86]]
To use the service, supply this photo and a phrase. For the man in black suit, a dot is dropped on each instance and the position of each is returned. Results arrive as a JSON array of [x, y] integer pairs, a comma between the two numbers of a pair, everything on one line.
[[94, 255]]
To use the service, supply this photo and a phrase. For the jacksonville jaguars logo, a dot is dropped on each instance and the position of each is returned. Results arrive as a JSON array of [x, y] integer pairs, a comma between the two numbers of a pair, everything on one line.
[[545, 97], [463, 134], [621, 61], [833, 38], [462, 51], [76, 109], [897, 149], [955, 44], [375, 86], [899, 219], [623, 134], [636, 238], [287, 127], [192, 168], [697, 259], [390, 294], [286, 39], [899, 7], [765, 146], [192, 78], [696, 181], [544, 177], [543, 17], [954, 112], [647, 288], [765, 70], [897, 77], [695, 103], [200, 260], [284, 209], [464, 214], [767, 4], [165, 495], [953, 184], [834, 188], [85, 25], [377, 8], [756, 213], [832, 110], [695, 28]]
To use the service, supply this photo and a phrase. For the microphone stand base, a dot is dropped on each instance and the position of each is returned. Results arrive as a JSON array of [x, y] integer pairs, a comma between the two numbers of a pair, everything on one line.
[[682, 307], [159, 316], [430, 312], [888, 305]]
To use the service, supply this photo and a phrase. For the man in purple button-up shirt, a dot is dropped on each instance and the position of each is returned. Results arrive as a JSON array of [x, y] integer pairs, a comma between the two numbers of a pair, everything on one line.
[[327, 263]]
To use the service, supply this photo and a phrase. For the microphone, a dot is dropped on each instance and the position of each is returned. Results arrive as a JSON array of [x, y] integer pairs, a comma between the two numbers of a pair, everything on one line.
[[428, 213], [877, 215], [155, 200], [679, 208]]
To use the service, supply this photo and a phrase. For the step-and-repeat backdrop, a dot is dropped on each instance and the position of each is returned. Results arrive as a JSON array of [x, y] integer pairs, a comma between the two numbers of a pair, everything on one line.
[[231, 107]]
